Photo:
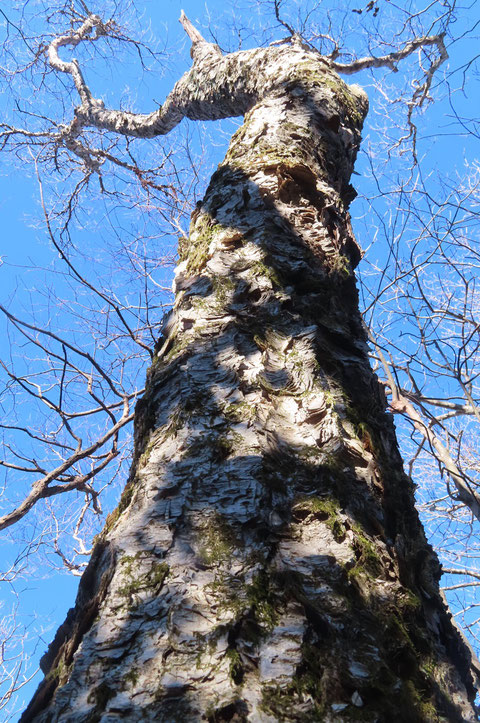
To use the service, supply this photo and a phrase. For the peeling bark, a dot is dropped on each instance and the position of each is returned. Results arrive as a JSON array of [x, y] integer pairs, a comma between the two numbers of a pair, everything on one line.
[[266, 561]]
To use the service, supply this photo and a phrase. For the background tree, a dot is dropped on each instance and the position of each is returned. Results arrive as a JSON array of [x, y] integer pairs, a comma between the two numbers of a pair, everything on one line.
[[86, 157]]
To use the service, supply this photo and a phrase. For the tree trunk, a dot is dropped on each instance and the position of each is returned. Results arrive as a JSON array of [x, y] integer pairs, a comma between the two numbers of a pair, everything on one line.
[[266, 562]]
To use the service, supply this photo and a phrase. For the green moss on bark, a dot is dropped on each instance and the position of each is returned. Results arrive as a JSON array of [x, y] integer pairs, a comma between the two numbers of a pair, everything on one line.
[[216, 539], [146, 582], [197, 255]]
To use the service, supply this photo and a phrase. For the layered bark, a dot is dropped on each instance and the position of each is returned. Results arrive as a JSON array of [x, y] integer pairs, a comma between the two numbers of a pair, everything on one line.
[[266, 561]]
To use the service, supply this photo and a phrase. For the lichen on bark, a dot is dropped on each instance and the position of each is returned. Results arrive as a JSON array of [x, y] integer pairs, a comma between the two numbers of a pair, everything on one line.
[[267, 562]]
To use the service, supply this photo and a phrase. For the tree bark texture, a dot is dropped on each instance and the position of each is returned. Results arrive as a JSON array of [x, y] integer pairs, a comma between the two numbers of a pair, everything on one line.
[[266, 562]]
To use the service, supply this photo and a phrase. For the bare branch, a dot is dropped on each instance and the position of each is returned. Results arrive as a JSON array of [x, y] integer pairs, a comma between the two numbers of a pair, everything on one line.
[[41, 489], [391, 60], [399, 403]]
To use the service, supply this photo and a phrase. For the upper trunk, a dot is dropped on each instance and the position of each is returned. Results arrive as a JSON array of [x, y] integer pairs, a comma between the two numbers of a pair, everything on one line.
[[266, 561]]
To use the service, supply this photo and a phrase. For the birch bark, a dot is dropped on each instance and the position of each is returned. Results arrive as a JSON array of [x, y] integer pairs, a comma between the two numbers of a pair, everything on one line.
[[266, 562]]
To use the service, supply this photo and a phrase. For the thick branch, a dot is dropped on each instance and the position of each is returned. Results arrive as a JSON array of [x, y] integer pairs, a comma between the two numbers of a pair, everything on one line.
[[73, 39], [216, 87]]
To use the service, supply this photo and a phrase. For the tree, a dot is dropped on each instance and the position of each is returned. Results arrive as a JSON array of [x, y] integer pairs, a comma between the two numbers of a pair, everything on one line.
[[267, 521]]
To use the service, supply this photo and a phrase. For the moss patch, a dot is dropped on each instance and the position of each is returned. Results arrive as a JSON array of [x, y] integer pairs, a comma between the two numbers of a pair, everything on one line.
[[236, 412], [235, 666], [217, 540], [223, 288], [60, 673], [368, 561], [197, 250], [152, 580], [131, 678], [323, 508]]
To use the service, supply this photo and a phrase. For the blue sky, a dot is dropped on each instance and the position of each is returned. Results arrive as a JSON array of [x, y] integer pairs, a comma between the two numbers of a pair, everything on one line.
[[25, 246]]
